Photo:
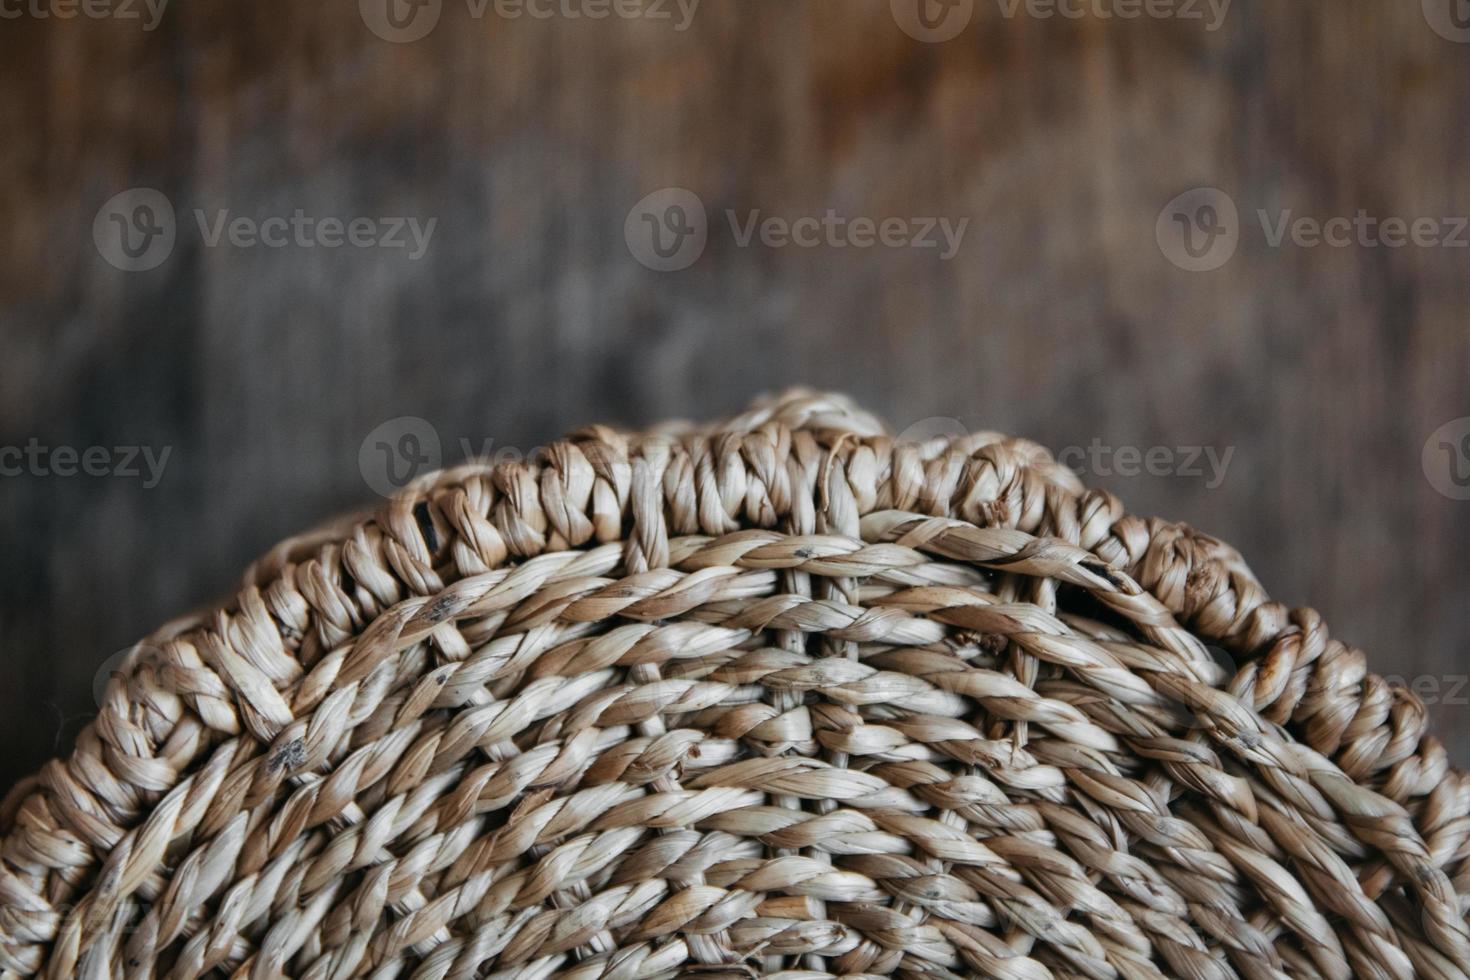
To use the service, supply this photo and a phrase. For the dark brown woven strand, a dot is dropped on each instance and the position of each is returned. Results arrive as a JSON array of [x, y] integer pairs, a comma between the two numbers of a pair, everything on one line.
[[777, 696]]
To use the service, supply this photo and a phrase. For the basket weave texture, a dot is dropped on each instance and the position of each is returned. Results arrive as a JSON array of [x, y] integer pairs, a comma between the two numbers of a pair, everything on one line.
[[780, 696]]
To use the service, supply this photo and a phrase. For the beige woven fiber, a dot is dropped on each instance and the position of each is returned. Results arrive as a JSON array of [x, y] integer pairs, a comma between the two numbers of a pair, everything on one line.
[[778, 697]]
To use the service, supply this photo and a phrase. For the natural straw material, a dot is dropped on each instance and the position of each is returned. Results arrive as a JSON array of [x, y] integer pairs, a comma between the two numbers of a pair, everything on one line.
[[781, 697]]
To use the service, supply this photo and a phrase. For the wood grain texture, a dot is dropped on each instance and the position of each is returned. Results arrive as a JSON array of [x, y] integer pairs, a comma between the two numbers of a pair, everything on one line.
[[1326, 369]]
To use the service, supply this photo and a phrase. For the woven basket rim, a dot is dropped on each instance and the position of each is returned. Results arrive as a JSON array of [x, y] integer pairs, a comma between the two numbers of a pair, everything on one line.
[[655, 487]]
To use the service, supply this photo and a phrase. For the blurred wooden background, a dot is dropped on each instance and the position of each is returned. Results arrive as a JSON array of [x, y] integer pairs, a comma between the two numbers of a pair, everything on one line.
[[1326, 369]]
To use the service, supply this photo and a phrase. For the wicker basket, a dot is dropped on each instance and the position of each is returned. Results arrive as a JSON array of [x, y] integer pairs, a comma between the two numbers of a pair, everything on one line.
[[780, 697]]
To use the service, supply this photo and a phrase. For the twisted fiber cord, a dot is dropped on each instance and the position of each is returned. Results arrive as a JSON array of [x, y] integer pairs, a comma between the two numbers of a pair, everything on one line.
[[283, 685]]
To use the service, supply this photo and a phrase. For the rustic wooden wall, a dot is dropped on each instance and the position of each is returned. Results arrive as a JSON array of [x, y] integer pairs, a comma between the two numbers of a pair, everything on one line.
[[1326, 368]]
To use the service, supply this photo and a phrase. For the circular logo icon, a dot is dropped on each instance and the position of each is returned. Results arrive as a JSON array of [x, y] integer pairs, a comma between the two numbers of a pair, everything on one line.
[[1450, 19], [1446, 459], [398, 452], [400, 21], [113, 667], [932, 21], [667, 230], [1224, 671], [936, 427], [135, 230], [1199, 229]]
